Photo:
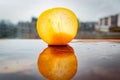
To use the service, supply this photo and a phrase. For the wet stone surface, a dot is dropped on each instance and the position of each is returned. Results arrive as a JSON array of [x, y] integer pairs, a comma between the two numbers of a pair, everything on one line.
[[35, 60]]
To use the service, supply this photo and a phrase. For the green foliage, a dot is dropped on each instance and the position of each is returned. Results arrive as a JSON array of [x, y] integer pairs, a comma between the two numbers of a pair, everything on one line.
[[7, 29]]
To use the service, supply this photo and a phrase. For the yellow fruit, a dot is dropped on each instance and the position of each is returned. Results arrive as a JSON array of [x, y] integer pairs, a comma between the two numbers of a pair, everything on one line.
[[57, 63], [57, 26]]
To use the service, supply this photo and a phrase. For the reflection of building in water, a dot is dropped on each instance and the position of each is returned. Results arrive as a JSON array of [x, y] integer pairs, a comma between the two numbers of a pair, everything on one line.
[[110, 23], [27, 29]]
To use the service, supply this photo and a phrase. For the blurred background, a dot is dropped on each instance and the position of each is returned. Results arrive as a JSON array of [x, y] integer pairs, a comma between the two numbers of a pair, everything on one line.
[[98, 19]]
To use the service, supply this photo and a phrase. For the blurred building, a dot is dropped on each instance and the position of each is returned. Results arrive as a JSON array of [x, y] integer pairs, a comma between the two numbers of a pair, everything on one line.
[[110, 22], [27, 29], [87, 26]]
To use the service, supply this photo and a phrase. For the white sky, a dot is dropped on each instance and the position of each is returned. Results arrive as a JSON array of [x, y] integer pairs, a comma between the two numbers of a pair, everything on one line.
[[86, 10]]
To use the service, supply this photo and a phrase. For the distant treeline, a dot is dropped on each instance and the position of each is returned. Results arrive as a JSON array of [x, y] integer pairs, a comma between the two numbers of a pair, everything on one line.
[[7, 29]]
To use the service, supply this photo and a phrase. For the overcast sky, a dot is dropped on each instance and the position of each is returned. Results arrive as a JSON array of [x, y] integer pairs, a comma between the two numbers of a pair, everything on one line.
[[86, 10]]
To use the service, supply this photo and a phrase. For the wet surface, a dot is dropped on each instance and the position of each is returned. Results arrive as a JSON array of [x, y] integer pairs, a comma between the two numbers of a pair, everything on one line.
[[34, 60]]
